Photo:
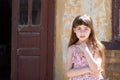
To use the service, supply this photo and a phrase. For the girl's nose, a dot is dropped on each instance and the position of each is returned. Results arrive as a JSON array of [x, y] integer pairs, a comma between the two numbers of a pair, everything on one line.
[[82, 31]]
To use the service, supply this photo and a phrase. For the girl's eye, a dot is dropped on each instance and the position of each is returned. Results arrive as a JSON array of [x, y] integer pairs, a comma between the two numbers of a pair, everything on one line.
[[79, 28], [86, 29]]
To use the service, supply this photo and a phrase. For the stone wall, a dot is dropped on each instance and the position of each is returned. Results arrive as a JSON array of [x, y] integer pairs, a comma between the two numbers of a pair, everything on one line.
[[112, 68]]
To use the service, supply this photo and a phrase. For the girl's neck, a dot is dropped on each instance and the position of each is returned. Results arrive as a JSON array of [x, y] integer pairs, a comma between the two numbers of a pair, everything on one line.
[[79, 42]]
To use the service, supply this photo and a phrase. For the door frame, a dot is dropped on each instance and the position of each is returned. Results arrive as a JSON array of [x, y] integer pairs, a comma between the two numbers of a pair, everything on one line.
[[50, 40]]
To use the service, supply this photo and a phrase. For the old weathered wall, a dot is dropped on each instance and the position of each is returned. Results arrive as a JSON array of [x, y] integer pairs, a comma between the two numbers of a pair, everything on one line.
[[66, 11], [112, 68]]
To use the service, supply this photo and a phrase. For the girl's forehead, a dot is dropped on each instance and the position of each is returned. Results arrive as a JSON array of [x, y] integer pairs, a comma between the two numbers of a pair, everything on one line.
[[82, 26]]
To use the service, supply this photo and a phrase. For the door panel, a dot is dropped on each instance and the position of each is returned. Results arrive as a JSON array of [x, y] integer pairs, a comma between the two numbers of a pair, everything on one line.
[[29, 68], [29, 39]]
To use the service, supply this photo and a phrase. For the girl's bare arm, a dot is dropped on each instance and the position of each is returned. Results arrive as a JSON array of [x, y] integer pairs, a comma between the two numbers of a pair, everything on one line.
[[94, 63]]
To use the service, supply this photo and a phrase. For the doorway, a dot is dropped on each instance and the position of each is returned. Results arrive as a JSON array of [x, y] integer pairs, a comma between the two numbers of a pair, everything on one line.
[[32, 51], [5, 39]]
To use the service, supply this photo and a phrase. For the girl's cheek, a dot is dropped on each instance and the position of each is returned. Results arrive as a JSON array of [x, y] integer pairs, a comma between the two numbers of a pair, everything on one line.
[[78, 35]]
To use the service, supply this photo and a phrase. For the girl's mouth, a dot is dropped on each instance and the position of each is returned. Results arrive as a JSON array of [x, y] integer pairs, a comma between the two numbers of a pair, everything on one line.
[[82, 36]]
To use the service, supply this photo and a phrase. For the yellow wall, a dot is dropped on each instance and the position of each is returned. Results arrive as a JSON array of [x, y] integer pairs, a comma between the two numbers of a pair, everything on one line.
[[66, 11]]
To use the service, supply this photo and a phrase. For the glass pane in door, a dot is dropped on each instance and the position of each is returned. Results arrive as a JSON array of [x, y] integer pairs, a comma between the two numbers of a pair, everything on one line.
[[36, 12], [23, 12]]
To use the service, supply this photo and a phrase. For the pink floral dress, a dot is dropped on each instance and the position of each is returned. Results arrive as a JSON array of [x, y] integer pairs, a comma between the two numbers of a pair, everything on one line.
[[79, 61]]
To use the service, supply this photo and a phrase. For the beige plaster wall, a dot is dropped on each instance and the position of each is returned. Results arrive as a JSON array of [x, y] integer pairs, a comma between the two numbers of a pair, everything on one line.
[[66, 11]]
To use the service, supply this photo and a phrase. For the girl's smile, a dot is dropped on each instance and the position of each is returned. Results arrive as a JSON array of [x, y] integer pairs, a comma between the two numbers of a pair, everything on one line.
[[82, 36]]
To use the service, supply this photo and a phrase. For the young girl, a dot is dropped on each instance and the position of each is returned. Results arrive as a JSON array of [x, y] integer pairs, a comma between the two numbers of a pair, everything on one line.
[[85, 58]]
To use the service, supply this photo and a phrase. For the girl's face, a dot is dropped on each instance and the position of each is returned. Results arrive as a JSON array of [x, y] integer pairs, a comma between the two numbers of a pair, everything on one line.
[[82, 32]]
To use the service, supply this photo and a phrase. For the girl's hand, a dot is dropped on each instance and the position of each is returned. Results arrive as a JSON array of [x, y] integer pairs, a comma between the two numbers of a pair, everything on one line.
[[91, 72], [83, 47]]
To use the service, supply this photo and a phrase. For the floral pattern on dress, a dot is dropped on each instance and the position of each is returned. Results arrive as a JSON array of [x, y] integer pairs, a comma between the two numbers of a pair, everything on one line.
[[79, 61]]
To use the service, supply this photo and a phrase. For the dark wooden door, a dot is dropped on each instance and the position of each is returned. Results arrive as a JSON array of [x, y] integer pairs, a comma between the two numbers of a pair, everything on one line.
[[30, 22]]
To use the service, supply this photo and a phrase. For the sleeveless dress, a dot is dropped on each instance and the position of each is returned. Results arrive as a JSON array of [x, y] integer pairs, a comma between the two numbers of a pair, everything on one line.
[[79, 61]]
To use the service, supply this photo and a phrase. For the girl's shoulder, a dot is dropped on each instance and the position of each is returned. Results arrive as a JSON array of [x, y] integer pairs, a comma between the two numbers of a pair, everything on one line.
[[73, 48]]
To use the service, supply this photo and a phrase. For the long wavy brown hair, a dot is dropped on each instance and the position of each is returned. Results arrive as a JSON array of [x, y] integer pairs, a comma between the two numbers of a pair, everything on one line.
[[92, 40]]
